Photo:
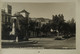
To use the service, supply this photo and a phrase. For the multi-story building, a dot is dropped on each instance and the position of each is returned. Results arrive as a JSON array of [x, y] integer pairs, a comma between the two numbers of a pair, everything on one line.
[[18, 25], [12, 25], [42, 21], [6, 22], [21, 24], [39, 24]]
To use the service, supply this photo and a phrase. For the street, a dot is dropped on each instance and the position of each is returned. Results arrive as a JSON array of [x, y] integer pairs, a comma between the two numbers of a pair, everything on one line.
[[43, 43], [50, 43]]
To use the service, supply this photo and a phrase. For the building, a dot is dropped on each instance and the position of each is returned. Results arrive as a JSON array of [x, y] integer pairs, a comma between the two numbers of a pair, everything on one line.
[[39, 22], [14, 25], [22, 23], [6, 22], [42, 21]]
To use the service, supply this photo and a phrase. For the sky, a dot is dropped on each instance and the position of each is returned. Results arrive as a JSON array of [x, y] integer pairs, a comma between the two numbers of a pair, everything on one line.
[[45, 10]]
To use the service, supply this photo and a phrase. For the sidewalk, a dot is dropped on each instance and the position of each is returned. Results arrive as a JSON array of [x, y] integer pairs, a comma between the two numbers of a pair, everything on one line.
[[7, 40]]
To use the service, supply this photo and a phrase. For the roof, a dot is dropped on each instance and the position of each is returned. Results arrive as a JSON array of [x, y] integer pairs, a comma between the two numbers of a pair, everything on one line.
[[24, 11]]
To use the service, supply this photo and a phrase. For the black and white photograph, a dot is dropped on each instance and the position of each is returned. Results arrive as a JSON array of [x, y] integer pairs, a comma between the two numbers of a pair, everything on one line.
[[38, 25]]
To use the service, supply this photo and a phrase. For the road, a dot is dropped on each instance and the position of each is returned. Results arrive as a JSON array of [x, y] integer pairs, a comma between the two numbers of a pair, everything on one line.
[[51, 43], [46, 43]]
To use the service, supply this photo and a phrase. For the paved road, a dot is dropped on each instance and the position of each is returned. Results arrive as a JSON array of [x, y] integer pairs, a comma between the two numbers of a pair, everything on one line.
[[50, 43], [46, 43]]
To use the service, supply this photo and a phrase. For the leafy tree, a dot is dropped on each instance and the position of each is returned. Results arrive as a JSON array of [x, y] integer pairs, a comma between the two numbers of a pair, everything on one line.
[[45, 28], [72, 25], [58, 21], [32, 26], [23, 32]]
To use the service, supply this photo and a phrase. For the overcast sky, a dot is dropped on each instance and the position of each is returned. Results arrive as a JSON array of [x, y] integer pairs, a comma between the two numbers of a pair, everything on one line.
[[45, 10]]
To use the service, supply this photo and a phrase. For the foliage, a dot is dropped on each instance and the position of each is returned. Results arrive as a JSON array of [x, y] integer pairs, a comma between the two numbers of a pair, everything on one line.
[[58, 21], [62, 26]]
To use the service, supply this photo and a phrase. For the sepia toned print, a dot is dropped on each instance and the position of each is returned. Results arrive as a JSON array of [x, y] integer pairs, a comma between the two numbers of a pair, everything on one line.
[[38, 25]]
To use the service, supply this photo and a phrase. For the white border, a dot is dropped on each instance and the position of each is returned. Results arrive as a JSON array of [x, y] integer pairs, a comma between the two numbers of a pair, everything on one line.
[[38, 1], [46, 51]]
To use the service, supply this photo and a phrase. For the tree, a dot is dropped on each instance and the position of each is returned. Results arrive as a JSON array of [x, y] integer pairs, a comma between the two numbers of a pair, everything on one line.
[[23, 34], [32, 27], [6, 28], [72, 26], [45, 28], [69, 27], [58, 21]]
